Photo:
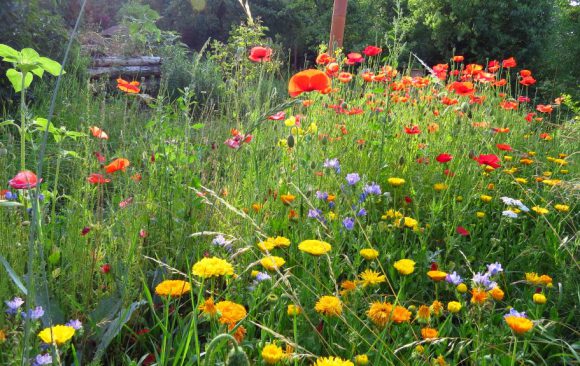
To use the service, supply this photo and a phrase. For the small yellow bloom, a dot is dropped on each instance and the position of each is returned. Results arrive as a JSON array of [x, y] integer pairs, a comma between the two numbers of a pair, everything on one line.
[[329, 305], [290, 122], [539, 299], [294, 310], [526, 161], [332, 216], [361, 360], [547, 174], [436, 307], [440, 187], [410, 222], [212, 267], [419, 349], [480, 214], [497, 293], [172, 288], [522, 180], [561, 162], [461, 288], [508, 158], [271, 354], [371, 278], [519, 325], [59, 334], [562, 208], [551, 182], [485, 198], [454, 307], [564, 171], [540, 210], [2, 336], [405, 266], [313, 128], [272, 263], [314, 247], [396, 182], [459, 199], [437, 276], [429, 333], [369, 253], [531, 153]]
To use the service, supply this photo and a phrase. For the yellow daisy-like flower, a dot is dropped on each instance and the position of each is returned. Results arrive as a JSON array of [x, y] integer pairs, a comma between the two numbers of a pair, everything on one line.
[[562, 208], [485, 198], [173, 288], [329, 305], [267, 245], [522, 180], [437, 276], [230, 312], [208, 307], [347, 286], [400, 314], [396, 182], [371, 278], [497, 293], [392, 214], [405, 266], [560, 161], [540, 210], [361, 360], [287, 198], [332, 361], [314, 247], [271, 354], [212, 267], [478, 296], [294, 310], [539, 299], [437, 307], [380, 313], [59, 334], [480, 214], [519, 325], [281, 241], [423, 313], [409, 222], [429, 333], [2, 336], [369, 254], [551, 182], [272, 262], [526, 161], [440, 187]]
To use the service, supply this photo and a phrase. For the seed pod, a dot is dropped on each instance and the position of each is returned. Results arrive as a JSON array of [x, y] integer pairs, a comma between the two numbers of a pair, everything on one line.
[[237, 357], [290, 141]]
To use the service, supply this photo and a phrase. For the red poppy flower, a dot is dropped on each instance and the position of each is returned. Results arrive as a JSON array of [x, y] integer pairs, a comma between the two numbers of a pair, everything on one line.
[[368, 76], [128, 87], [528, 80], [504, 147], [493, 66], [105, 268], [462, 88], [523, 99], [324, 59], [491, 160], [524, 73], [449, 101], [473, 69], [441, 71], [413, 130], [116, 165], [530, 116], [24, 180], [462, 231], [501, 129], [372, 51], [475, 99], [444, 158], [260, 54], [95, 178], [309, 80], [509, 63], [278, 116], [100, 157], [544, 108], [98, 133], [85, 230], [354, 58], [458, 58], [408, 199], [509, 105]]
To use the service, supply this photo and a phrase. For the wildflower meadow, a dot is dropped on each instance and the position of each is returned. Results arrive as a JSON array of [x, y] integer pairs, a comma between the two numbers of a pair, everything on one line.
[[353, 211]]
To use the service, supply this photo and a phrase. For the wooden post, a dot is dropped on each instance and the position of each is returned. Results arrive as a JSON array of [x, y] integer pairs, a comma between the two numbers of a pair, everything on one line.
[[337, 25]]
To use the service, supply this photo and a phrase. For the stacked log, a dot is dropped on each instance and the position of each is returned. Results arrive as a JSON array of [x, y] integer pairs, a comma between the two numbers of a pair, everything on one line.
[[127, 67]]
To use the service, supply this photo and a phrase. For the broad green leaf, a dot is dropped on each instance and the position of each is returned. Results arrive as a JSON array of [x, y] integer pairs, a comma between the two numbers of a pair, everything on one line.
[[15, 78], [50, 66], [4, 203], [74, 134], [13, 276], [29, 56], [8, 53], [38, 71]]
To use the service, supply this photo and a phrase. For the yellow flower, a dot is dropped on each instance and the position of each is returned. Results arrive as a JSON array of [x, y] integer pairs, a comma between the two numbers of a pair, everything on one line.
[[547, 174], [429, 333], [519, 325], [410, 223], [271, 354], [294, 310], [560, 162], [485, 198], [511, 171], [454, 307], [437, 276], [59, 334], [564, 171], [459, 199], [480, 215], [371, 278], [329, 305], [551, 182], [369, 254], [332, 216], [440, 187], [531, 153], [289, 122], [212, 267], [562, 208], [424, 313], [540, 210], [539, 299], [281, 241], [400, 315], [508, 158], [257, 207], [361, 360], [173, 288], [267, 245], [478, 296], [208, 307], [522, 180], [347, 286], [332, 361], [2, 336], [396, 182], [405, 266], [230, 312], [287, 198], [272, 263], [437, 307], [526, 161], [380, 313], [392, 214], [461, 288], [497, 293], [283, 143], [314, 247], [313, 128]]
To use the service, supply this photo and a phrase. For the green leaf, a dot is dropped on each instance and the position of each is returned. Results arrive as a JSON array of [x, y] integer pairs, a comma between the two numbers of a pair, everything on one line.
[[15, 78], [50, 66], [8, 123], [13, 276], [38, 71], [197, 126], [74, 134], [4, 203], [8, 53], [29, 56]]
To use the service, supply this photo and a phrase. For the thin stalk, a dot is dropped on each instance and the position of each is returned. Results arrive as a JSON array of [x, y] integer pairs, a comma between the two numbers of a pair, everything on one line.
[[23, 123]]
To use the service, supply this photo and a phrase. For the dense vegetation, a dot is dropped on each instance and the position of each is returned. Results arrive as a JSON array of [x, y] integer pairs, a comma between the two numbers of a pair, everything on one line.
[[249, 213]]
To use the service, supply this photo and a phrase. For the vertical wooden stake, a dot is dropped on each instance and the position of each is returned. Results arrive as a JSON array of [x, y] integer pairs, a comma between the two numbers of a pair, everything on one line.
[[337, 25]]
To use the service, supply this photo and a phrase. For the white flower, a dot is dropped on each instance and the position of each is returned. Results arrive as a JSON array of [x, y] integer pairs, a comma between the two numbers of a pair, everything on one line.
[[510, 213]]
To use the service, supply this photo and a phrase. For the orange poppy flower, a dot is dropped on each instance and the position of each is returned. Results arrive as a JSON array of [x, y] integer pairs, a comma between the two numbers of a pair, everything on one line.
[[544, 108], [462, 88], [507, 105], [309, 80], [116, 165], [509, 63], [332, 68], [493, 66], [324, 59], [98, 133], [345, 77], [458, 58], [128, 87]]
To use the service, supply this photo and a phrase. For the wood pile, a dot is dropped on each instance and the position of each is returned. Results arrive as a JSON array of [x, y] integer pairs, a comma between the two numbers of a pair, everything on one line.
[[127, 67]]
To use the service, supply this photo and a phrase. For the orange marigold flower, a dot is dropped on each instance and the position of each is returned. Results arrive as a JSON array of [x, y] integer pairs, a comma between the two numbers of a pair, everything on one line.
[[429, 333], [307, 81], [478, 296]]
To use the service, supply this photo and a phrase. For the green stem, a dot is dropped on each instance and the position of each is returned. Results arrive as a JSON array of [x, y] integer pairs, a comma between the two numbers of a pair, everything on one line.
[[513, 361], [23, 123], [295, 321], [216, 340]]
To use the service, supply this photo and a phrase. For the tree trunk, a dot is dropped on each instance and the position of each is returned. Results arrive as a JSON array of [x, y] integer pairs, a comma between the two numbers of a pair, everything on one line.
[[337, 26]]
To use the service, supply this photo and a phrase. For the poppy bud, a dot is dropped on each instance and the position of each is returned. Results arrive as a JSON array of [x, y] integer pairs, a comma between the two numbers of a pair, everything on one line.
[[290, 141], [237, 357], [105, 268]]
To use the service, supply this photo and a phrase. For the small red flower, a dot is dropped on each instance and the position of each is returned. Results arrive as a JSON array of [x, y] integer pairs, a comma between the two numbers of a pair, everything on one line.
[[85, 230], [105, 268], [458, 58], [504, 147], [444, 158], [413, 130], [260, 54], [372, 51], [95, 178], [462, 231], [24, 180], [509, 63], [278, 116], [491, 160], [100, 157], [408, 199]]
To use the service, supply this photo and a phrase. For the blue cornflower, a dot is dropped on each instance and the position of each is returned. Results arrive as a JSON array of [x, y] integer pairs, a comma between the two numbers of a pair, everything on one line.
[[352, 178], [348, 223]]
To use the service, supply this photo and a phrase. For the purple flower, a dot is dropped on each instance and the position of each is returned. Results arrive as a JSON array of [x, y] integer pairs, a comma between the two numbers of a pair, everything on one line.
[[45, 359], [454, 278], [494, 268], [33, 314], [331, 204], [314, 214], [352, 178], [514, 312], [333, 164], [11, 196], [261, 276], [322, 195], [75, 323], [13, 305], [348, 223], [481, 279], [491, 285], [361, 212], [362, 197], [372, 188]]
